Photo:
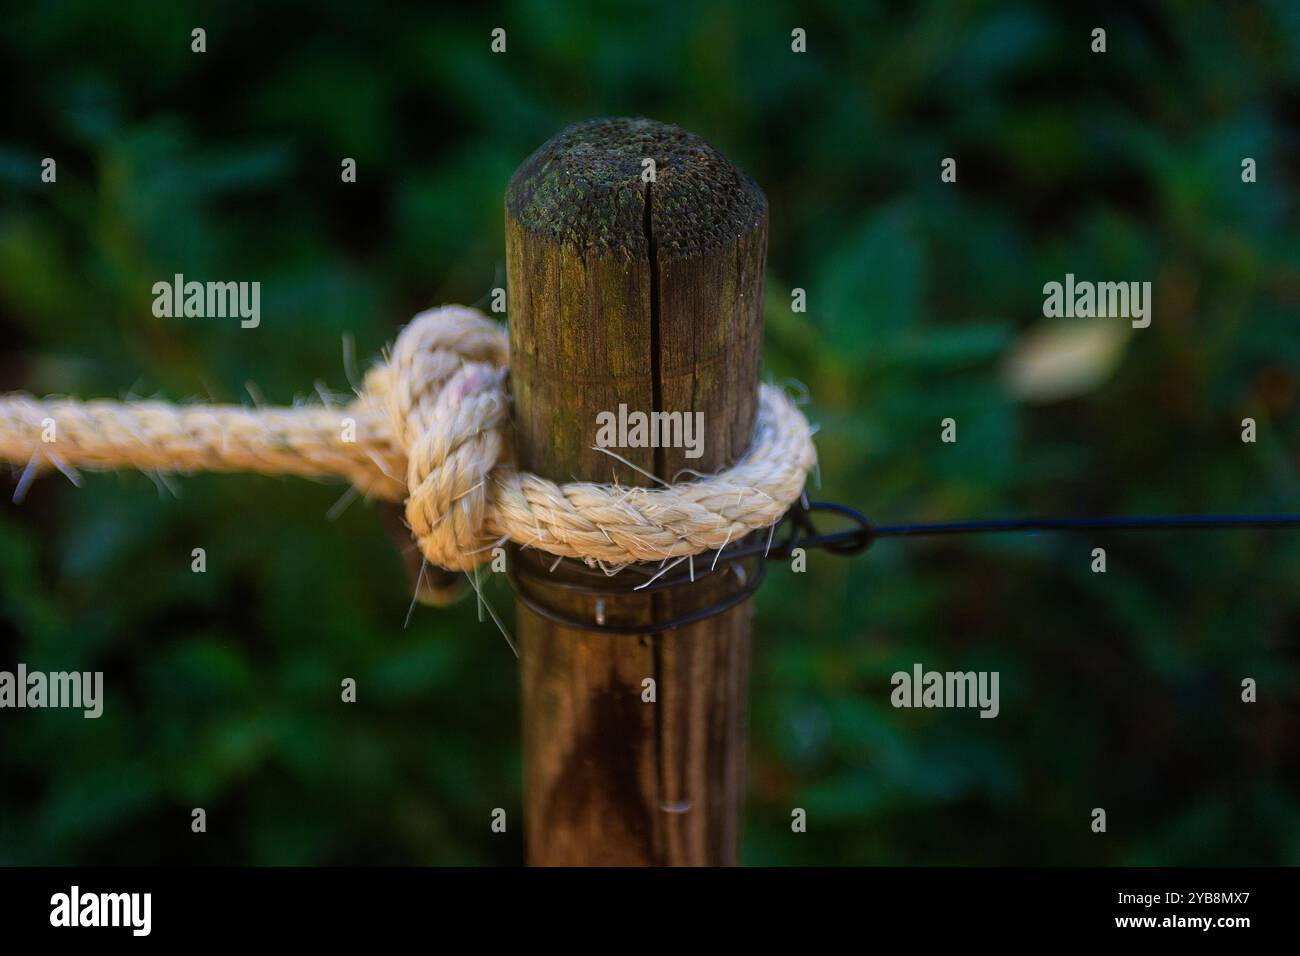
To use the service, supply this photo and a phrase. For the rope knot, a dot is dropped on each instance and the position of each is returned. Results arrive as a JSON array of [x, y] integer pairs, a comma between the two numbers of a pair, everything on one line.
[[430, 426], [442, 392], [443, 389]]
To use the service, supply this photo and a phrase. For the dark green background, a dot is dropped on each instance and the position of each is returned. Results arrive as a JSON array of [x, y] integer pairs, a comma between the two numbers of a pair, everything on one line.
[[1118, 690]]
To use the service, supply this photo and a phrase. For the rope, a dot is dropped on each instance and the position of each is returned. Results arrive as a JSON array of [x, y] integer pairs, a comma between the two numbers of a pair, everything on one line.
[[430, 428]]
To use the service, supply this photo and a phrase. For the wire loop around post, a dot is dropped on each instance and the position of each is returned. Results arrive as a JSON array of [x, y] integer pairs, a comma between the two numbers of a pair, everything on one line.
[[579, 584], [746, 560], [744, 563]]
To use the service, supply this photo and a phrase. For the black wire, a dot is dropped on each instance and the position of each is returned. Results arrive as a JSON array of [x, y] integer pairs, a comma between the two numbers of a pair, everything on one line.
[[1134, 523], [803, 534], [858, 538]]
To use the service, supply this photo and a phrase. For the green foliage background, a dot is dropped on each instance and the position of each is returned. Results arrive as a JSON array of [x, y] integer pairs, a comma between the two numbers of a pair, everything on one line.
[[1118, 690]]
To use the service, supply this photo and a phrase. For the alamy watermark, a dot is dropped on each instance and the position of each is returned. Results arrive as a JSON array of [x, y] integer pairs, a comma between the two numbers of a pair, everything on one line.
[[76, 909], [179, 299], [922, 688], [1103, 300], [625, 429], [81, 690]]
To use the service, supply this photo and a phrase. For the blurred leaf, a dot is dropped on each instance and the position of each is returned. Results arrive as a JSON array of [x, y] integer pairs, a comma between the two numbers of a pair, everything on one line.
[[1065, 359]]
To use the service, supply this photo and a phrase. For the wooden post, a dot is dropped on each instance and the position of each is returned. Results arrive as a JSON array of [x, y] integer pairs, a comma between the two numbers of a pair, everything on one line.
[[646, 293]]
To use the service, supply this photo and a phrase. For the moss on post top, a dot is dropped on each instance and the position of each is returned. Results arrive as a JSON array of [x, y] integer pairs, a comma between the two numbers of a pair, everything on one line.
[[585, 187]]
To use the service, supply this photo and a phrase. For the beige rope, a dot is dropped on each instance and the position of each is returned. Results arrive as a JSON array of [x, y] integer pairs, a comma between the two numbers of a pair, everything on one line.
[[429, 427]]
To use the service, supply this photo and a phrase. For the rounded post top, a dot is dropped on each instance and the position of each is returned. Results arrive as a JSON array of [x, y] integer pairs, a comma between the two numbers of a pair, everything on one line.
[[587, 186]]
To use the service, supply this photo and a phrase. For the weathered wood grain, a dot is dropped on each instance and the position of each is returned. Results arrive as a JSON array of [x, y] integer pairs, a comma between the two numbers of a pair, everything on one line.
[[647, 294]]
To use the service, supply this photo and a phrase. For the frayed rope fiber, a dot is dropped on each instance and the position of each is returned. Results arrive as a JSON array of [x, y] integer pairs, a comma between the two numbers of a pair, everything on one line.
[[430, 428]]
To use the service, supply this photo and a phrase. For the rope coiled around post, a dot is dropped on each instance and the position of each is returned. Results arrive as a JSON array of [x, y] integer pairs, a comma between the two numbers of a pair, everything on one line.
[[430, 427]]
